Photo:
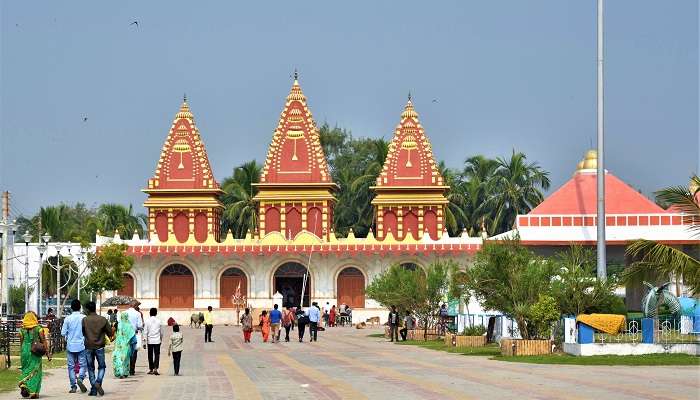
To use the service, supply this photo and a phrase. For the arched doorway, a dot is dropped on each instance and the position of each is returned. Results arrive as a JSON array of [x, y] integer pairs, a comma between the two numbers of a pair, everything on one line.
[[410, 266], [128, 288], [176, 287], [232, 279], [351, 288], [288, 280]]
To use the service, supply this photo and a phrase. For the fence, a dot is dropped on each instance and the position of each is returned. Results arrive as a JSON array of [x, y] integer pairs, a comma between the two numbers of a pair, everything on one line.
[[10, 338], [664, 330]]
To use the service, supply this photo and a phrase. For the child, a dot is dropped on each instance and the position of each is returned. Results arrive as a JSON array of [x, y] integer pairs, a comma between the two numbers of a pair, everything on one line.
[[176, 347]]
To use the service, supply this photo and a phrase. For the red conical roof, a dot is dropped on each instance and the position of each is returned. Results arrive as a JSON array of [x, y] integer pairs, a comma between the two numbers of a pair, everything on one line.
[[295, 154], [183, 163], [410, 160]]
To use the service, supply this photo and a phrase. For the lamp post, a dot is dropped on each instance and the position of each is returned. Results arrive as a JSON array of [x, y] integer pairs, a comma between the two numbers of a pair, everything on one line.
[[45, 238], [27, 237]]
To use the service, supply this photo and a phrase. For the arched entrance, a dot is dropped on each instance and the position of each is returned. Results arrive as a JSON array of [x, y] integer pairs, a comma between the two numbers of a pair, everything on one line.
[[128, 288], [288, 280], [232, 280], [176, 287], [351, 288]]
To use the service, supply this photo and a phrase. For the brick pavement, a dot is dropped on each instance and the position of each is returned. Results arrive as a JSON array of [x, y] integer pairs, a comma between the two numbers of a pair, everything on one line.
[[346, 364]]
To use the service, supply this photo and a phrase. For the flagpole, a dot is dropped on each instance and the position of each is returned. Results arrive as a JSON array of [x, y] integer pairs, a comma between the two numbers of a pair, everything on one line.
[[600, 181]]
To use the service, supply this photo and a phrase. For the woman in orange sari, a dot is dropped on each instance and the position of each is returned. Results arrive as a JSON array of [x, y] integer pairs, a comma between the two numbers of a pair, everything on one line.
[[265, 325]]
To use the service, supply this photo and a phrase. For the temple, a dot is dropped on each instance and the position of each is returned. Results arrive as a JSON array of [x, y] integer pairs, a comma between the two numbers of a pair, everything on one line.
[[294, 255], [185, 265]]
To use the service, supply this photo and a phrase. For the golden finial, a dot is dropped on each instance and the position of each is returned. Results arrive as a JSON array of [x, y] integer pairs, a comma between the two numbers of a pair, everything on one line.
[[295, 93], [589, 162], [409, 111], [184, 109]]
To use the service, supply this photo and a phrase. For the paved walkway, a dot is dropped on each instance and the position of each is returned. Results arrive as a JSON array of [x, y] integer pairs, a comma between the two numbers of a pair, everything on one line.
[[346, 364]]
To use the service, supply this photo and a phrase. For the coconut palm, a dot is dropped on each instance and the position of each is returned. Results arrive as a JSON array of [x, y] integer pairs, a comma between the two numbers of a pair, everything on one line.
[[240, 210], [476, 186], [112, 217], [516, 188], [659, 259], [455, 216]]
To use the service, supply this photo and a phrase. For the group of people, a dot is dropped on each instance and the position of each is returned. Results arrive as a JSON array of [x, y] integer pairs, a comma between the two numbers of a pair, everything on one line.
[[332, 313], [132, 332], [86, 337], [394, 321], [273, 321]]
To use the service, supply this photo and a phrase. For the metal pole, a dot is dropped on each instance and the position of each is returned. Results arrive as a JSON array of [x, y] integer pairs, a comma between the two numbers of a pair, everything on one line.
[[26, 277], [58, 283], [38, 282], [601, 266]]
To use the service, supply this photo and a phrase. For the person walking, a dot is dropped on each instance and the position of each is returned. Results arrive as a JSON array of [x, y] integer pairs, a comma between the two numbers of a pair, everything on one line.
[[123, 347], [287, 319], [154, 336], [409, 325], [331, 316], [96, 330], [302, 321], [265, 326], [314, 314], [136, 319], [394, 324], [247, 325], [275, 323], [175, 347], [72, 330], [208, 325], [33, 346]]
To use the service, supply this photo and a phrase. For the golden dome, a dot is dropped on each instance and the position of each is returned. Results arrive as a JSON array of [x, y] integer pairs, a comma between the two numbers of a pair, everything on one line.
[[589, 162]]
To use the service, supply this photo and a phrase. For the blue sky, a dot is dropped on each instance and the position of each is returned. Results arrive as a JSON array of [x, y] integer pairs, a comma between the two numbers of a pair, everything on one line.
[[506, 75]]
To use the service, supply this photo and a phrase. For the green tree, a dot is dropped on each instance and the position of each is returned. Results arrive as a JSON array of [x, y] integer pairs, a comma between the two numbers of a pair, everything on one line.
[[658, 259], [542, 315], [476, 185], [510, 278], [240, 210], [112, 217], [16, 295], [107, 268], [575, 286], [416, 290], [516, 188]]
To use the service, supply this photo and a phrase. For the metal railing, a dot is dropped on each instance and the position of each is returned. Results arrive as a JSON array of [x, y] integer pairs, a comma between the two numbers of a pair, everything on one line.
[[10, 338]]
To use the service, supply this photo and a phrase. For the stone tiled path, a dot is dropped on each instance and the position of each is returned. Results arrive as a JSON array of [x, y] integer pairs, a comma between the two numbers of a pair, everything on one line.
[[346, 364]]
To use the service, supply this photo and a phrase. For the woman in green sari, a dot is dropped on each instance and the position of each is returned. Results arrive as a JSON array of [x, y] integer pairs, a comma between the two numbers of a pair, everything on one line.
[[123, 346], [31, 376]]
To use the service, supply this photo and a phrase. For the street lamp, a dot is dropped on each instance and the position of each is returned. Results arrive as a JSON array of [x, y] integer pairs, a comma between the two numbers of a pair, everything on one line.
[[27, 237], [43, 245]]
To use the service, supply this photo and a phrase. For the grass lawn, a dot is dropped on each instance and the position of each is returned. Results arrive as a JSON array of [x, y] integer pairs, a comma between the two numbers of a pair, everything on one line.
[[488, 350], [647, 359], [10, 377], [376, 335]]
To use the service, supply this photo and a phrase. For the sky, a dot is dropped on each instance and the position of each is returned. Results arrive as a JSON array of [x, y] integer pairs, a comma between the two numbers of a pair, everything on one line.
[[487, 77]]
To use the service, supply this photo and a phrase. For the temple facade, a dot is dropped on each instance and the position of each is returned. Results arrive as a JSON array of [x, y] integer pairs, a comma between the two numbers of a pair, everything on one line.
[[185, 265]]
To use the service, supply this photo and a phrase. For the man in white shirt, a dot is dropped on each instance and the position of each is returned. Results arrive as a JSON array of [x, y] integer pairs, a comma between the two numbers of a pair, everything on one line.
[[137, 322], [154, 336]]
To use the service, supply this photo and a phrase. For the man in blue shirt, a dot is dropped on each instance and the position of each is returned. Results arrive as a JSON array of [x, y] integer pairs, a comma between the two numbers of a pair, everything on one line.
[[275, 322], [314, 314], [72, 330]]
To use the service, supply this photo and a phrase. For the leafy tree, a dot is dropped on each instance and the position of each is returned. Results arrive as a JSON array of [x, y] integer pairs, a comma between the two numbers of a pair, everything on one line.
[[107, 268], [240, 210], [575, 286], [659, 259], [16, 295], [510, 278], [416, 290], [542, 315]]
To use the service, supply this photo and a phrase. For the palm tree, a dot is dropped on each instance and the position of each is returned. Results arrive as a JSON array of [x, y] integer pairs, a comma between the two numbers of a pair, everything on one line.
[[112, 217], [455, 216], [476, 187], [515, 189], [240, 210], [659, 259]]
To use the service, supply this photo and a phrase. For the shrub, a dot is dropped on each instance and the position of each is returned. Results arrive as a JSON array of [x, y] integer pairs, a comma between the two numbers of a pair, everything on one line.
[[476, 330]]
